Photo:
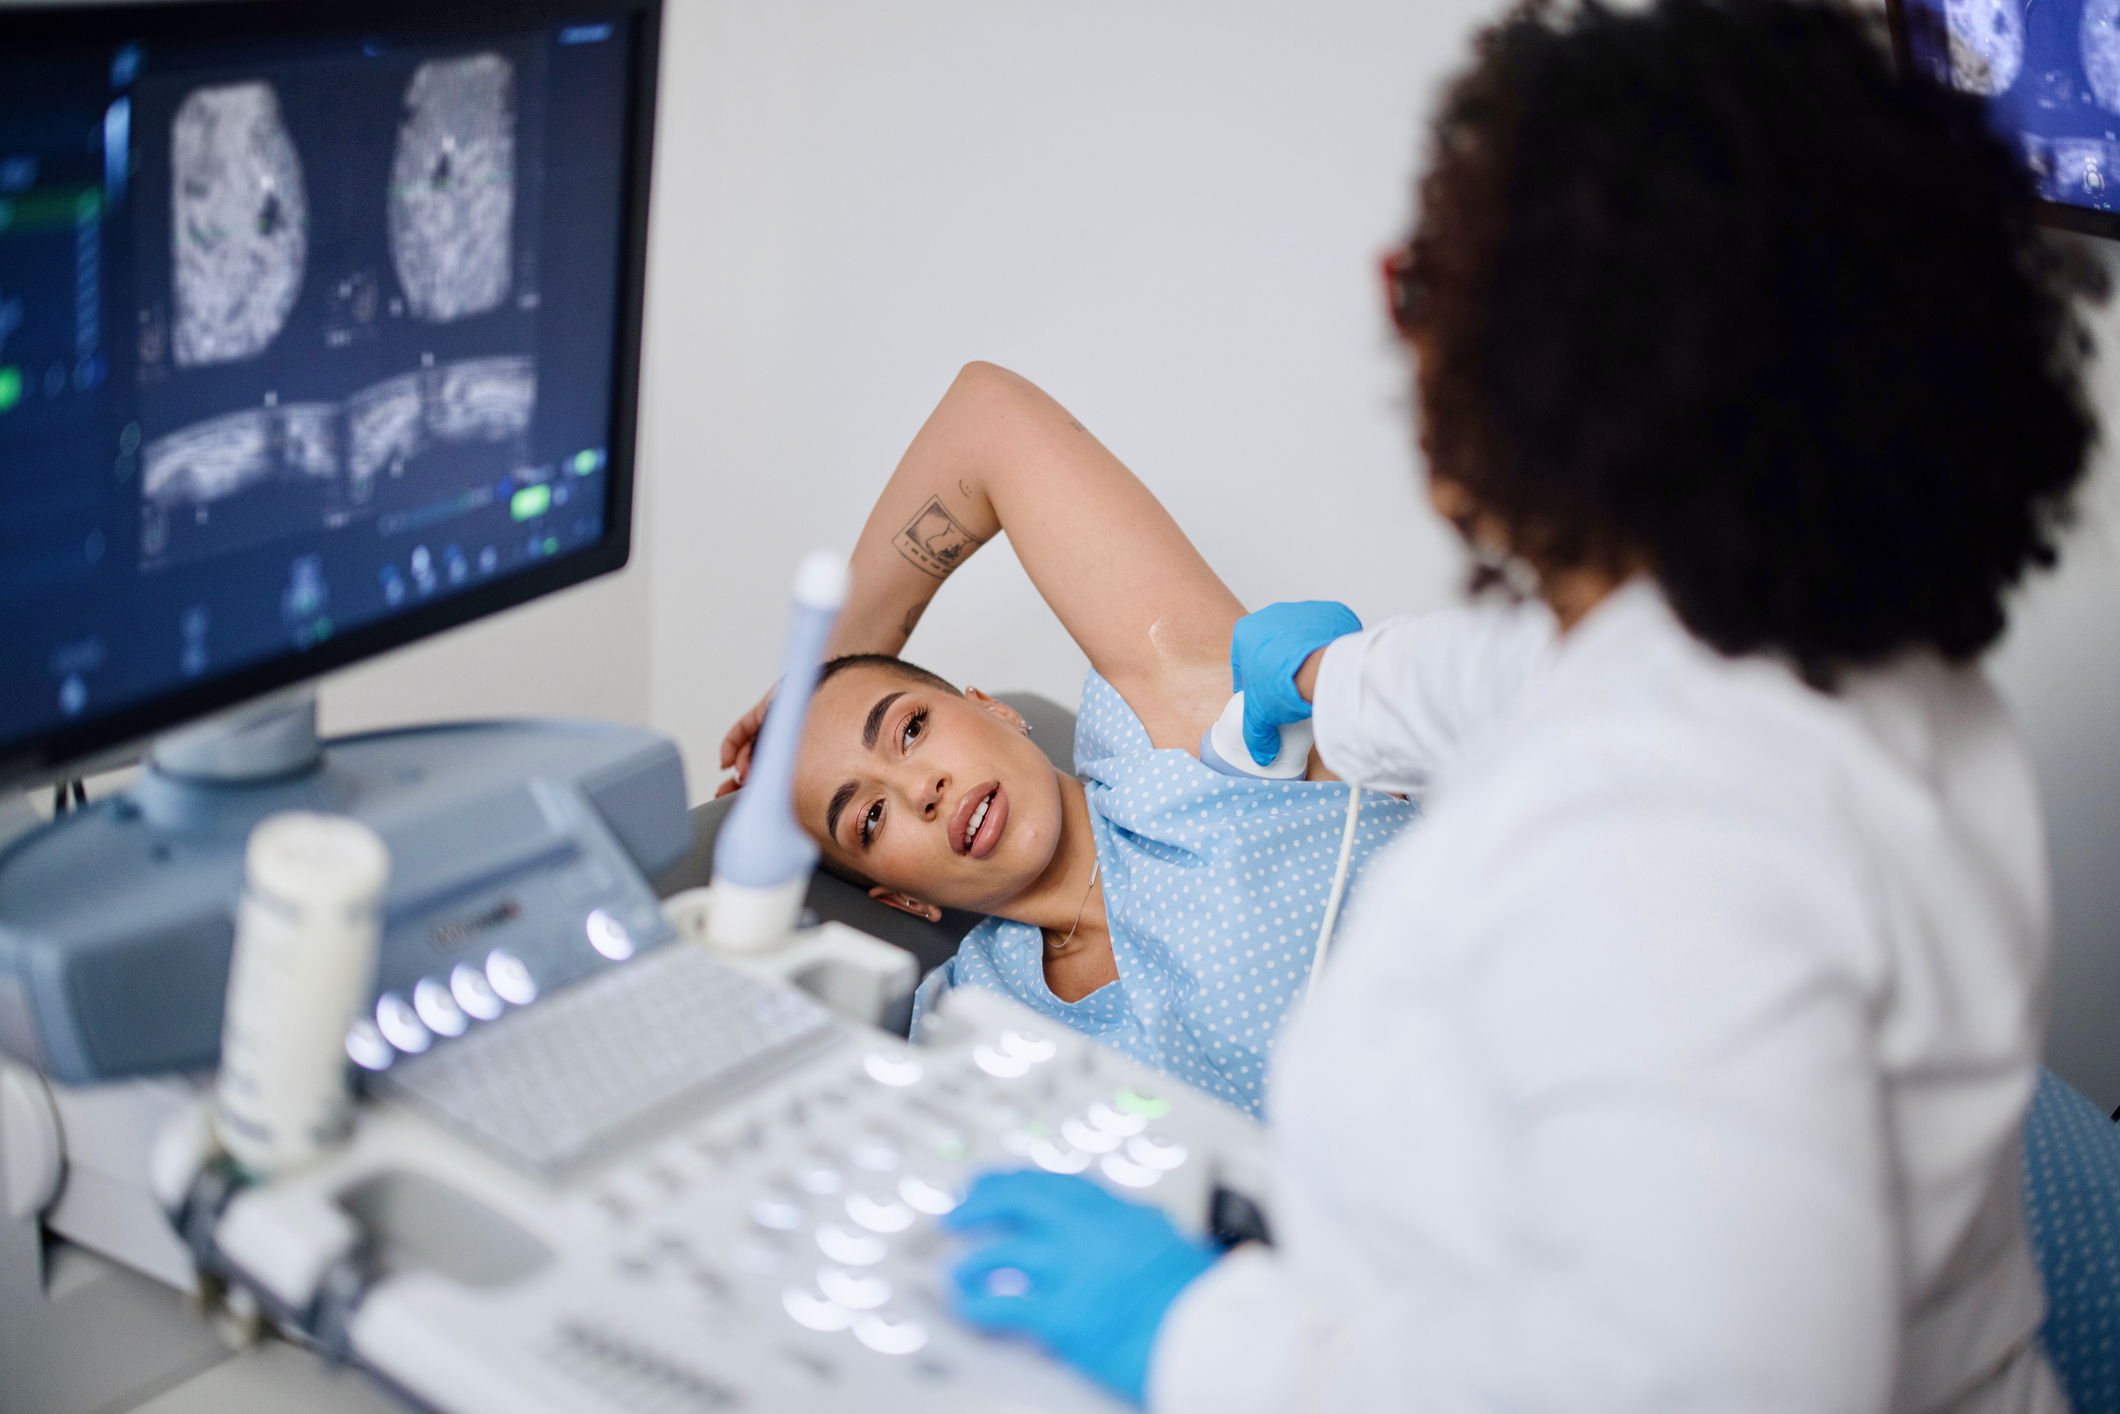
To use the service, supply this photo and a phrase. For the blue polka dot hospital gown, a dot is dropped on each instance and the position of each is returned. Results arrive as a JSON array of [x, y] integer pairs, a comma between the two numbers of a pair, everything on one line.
[[1214, 888]]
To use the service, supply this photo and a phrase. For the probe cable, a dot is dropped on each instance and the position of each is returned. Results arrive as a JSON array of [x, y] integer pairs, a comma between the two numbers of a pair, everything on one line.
[[1339, 887]]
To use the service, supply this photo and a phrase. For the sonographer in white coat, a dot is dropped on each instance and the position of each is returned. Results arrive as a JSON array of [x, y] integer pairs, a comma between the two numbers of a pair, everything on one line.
[[1677, 1059]]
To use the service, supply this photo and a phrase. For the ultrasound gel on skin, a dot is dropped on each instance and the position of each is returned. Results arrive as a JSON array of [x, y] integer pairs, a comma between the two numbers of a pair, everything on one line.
[[307, 927]]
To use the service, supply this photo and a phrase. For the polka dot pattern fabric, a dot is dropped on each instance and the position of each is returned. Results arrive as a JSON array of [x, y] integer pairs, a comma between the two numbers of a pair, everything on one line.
[[1214, 887], [2072, 1201]]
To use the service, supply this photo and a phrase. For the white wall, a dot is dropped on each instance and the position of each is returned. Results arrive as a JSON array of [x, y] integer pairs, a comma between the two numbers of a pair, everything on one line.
[[1168, 212]]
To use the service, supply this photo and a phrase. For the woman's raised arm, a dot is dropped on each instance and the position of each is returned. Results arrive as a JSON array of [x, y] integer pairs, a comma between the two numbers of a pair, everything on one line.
[[999, 454]]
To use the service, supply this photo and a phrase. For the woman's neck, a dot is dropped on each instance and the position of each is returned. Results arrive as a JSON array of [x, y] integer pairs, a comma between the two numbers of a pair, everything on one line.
[[1066, 905], [1056, 897]]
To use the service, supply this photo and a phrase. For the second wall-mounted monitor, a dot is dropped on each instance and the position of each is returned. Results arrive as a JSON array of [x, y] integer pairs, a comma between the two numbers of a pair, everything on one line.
[[2049, 71]]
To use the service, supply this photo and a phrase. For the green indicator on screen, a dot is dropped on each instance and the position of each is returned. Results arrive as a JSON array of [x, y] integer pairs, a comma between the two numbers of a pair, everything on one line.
[[584, 463], [530, 501], [10, 387], [1146, 1106], [552, 544]]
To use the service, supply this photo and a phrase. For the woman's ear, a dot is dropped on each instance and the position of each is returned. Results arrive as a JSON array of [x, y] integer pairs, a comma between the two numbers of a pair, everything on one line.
[[999, 709], [906, 903]]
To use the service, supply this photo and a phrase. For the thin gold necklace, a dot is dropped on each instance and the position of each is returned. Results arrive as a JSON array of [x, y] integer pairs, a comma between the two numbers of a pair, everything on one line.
[[1082, 907]]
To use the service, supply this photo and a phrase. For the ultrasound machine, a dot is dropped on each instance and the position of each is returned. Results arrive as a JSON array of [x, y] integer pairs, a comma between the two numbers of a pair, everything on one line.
[[319, 334]]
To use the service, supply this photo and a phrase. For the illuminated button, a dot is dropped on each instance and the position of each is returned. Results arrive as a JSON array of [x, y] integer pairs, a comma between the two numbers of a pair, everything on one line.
[[887, 1068], [1028, 1046], [776, 1212], [890, 1333], [850, 1248], [879, 1213], [1112, 1121], [1125, 1172], [874, 1152], [1158, 1151], [1054, 1159], [401, 1025], [927, 1196], [810, 1309], [438, 1009], [1133, 1102], [999, 1064], [1088, 1136], [853, 1290], [510, 977], [473, 992], [1008, 1282], [366, 1046], [819, 1178], [609, 936]]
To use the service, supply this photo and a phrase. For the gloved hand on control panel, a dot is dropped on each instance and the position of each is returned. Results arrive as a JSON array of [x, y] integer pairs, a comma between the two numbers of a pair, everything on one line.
[[1089, 1275], [1265, 651]]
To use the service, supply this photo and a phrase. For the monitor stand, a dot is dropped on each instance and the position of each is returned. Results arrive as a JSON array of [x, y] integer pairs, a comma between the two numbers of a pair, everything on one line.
[[271, 739], [531, 837]]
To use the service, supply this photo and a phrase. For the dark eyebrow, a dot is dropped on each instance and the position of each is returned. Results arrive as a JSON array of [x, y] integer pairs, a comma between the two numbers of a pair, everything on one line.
[[840, 798], [875, 722]]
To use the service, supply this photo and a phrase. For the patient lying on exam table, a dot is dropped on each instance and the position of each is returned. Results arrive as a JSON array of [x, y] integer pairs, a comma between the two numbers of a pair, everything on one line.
[[1168, 910]]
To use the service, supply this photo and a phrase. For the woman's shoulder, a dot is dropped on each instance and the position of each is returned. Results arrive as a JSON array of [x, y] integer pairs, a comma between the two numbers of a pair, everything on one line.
[[1105, 725]]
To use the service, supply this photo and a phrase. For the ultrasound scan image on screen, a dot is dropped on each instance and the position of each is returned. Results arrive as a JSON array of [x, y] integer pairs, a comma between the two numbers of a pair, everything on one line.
[[2050, 72], [294, 337]]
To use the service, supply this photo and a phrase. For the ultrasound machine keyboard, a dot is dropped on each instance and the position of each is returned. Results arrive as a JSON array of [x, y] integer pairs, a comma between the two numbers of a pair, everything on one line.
[[578, 1074], [760, 1234]]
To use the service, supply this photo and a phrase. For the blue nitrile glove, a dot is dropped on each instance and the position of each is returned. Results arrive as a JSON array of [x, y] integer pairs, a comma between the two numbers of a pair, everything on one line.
[[1088, 1274], [1265, 650]]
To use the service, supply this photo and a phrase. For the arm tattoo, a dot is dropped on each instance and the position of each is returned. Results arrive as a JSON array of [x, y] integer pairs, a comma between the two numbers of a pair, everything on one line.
[[912, 617], [1076, 425], [934, 542]]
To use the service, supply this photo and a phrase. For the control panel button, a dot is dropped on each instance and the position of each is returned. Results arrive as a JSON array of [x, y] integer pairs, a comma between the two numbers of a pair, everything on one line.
[[1032, 1046], [850, 1248], [819, 1179], [857, 1291], [1054, 1159], [401, 1025], [1088, 1137], [776, 1212], [366, 1046], [510, 977], [608, 936], [878, 1153], [929, 1196], [811, 1310], [1141, 1103], [1128, 1174], [891, 1068], [431, 999], [879, 1212], [890, 1333], [999, 1064], [1158, 1151], [473, 992], [1113, 1121]]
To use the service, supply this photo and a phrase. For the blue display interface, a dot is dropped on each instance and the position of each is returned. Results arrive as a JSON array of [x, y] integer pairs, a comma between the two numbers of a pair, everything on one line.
[[2050, 72], [294, 337]]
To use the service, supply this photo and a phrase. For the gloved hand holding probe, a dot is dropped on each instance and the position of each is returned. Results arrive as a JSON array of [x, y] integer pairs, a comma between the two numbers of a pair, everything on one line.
[[1265, 651]]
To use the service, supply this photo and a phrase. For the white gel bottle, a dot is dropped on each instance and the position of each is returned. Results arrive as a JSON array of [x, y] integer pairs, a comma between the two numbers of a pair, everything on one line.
[[306, 933]]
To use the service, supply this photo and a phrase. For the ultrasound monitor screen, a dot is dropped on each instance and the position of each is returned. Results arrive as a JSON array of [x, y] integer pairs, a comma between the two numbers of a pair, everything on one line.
[[301, 334], [2050, 72]]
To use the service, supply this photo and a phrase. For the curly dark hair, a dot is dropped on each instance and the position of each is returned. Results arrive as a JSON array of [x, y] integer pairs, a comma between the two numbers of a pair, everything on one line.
[[1710, 288]]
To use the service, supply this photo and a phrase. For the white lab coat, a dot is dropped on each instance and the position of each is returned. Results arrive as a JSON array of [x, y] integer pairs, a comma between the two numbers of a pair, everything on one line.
[[1675, 1061]]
